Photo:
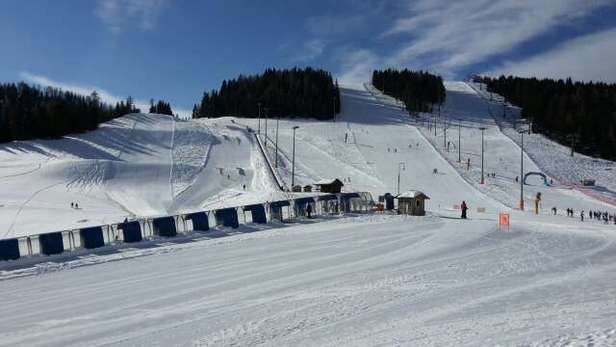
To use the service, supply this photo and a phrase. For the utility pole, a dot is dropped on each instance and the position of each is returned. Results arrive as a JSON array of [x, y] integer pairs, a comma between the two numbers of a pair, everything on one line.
[[266, 111], [276, 161], [522, 172], [504, 107], [334, 107], [293, 160], [459, 144], [445, 134], [482, 177], [400, 165], [259, 122]]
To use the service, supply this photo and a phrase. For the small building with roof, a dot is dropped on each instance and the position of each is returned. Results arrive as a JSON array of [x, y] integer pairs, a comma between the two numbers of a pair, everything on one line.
[[412, 202], [329, 185]]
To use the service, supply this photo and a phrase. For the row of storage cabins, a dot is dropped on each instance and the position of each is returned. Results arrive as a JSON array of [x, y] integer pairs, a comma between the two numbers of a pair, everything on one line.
[[169, 226]]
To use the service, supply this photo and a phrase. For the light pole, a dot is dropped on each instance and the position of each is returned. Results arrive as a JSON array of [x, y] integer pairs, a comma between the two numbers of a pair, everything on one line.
[[459, 143], [400, 165], [266, 110], [445, 135], [276, 161], [259, 121], [293, 160], [334, 107], [522, 172], [482, 178]]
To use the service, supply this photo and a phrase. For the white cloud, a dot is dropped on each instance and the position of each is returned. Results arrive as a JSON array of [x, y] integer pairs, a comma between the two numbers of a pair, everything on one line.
[[455, 34], [591, 57], [357, 66], [120, 14], [104, 95], [311, 50]]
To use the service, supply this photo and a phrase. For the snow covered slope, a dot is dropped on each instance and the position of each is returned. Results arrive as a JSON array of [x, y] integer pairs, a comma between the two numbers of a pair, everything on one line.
[[369, 280], [154, 165], [465, 112], [354, 280], [135, 165]]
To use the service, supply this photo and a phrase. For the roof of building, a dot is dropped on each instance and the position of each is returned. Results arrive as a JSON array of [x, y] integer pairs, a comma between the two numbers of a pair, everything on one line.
[[327, 181], [411, 194]]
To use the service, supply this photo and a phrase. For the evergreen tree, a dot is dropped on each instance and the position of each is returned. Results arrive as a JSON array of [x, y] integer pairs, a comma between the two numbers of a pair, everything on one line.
[[418, 90], [161, 107], [28, 112], [561, 109], [287, 93]]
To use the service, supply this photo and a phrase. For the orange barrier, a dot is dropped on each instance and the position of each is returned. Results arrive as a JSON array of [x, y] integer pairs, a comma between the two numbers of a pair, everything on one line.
[[503, 220]]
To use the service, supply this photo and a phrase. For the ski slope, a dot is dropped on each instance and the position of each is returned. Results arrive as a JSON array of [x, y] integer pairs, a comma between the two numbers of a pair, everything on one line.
[[465, 112], [366, 280], [136, 165], [341, 280]]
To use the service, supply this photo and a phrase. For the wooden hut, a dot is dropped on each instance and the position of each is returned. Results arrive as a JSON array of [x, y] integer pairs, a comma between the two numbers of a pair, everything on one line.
[[329, 185], [412, 202]]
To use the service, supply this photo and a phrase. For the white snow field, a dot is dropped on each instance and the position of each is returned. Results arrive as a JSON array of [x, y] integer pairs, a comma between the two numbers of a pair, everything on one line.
[[366, 280], [373, 279], [137, 165]]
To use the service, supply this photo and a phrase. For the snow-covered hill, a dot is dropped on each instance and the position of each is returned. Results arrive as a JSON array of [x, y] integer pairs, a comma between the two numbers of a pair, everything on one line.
[[136, 165], [344, 280]]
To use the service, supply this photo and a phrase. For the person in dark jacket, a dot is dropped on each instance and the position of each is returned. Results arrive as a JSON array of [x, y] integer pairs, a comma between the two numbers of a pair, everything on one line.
[[463, 207], [309, 210]]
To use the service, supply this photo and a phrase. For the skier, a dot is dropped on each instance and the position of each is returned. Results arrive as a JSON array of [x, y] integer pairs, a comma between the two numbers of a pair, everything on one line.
[[72, 204], [309, 210], [554, 210], [582, 215], [463, 207], [76, 205], [468, 164]]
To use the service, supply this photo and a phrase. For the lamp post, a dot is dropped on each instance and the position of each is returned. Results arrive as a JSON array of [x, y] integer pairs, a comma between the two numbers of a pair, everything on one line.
[[276, 160], [334, 107], [259, 121], [459, 143], [400, 166], [293, 160], [266, 111], [445, 135], [522, 172], [482, 177]]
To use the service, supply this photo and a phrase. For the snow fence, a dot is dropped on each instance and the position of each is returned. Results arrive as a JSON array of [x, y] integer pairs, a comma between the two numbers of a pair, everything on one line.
[[148, 228]]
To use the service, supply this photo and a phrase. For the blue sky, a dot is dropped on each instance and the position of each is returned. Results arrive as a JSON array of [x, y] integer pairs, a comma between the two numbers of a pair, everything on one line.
[[177, 49]]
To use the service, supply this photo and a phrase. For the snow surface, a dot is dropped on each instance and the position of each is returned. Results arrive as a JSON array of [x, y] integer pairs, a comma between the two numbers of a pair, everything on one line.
[[353, 280], [366, 280]]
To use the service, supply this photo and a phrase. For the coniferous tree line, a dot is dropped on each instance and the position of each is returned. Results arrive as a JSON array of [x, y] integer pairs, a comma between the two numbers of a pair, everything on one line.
[[29, 112], [286, 93], [419, 90], [565, 111], [161, 107]]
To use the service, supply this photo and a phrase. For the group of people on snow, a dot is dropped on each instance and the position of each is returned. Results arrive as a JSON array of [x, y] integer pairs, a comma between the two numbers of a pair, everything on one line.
[[74, 205], [604, 216]]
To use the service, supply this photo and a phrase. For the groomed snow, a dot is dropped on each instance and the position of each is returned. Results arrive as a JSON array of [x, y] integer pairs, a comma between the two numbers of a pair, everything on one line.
[[367, 280], [350, 280]]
